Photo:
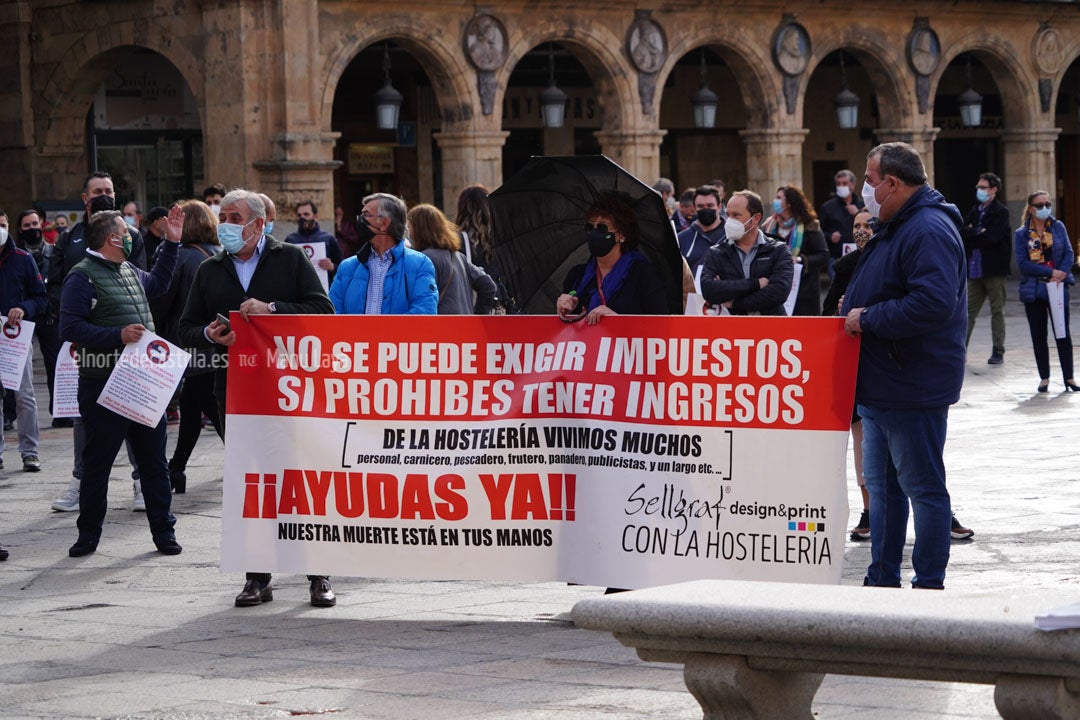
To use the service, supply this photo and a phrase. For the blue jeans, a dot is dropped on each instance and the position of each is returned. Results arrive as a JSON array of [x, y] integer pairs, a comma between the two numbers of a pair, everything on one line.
[[902, 463]]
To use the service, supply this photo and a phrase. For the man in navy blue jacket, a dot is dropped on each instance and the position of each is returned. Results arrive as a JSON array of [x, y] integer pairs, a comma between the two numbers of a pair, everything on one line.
[[308, 231], [908, 300], [104, 306], [22, 296]]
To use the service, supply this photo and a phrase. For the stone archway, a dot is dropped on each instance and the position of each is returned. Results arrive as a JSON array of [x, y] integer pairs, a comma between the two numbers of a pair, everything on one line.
[[624, 136], [885, 112], [449, 76], [1027, 150], [60, 108]]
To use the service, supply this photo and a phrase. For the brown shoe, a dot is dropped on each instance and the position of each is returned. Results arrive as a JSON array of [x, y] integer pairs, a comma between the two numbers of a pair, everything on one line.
[[254, 594], [322, 595]]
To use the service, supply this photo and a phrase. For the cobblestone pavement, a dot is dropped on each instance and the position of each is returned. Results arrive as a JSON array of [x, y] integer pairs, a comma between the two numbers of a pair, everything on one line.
[[128, 633]]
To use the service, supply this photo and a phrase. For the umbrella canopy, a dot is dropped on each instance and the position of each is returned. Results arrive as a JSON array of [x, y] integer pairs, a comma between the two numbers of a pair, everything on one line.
[[539, 214]]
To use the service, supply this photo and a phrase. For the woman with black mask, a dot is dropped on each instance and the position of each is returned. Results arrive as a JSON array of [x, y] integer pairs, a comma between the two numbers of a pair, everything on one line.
[[618, 279]]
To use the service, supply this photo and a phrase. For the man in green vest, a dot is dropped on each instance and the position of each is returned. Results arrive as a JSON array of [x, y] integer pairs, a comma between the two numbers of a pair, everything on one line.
[[103, 307]]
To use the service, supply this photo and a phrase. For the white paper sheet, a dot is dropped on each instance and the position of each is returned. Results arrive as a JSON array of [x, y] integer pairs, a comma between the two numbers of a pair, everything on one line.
[[15, 343], [144, 379]]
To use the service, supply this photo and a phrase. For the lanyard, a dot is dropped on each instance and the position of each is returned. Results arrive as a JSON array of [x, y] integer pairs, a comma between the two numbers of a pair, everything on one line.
[[600, 285]]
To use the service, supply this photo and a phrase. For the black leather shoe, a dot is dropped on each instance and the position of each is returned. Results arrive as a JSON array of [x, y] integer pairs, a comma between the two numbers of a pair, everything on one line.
[[3, 554], [178, 480], [254, 594], [83, 546], [169, 547], [322, 595], [1072, 387]]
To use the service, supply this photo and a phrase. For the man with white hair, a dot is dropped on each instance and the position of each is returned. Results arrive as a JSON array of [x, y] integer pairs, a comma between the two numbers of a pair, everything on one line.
[[256, 275]]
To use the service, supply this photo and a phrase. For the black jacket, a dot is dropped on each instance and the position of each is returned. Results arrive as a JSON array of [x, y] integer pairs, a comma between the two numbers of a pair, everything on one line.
[[834, 217], [843, 269], [640, 294], [722, 278], [994, 238], [168, 308], [283, 275]]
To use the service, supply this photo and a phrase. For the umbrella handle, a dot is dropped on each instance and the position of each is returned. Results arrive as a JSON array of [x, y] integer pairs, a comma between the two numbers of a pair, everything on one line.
[[574, 317], [580, 315]]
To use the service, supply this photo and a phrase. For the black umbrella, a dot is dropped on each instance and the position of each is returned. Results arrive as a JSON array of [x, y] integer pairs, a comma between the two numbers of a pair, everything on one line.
[[538, 235]]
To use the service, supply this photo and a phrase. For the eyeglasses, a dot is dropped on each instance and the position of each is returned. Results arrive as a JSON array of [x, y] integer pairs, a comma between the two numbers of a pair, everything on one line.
[[1040, 206], [982, 187], [602, 227], [368, 215]]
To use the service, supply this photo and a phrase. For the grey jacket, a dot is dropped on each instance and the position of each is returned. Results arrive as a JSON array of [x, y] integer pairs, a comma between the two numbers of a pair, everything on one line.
[[458, 279]]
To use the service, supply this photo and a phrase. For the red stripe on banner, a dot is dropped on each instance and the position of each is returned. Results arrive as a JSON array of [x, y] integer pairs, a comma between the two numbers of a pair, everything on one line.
[[759, 372]]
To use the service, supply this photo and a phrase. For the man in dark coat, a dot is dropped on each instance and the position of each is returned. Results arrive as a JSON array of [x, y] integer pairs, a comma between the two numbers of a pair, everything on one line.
[[988, 238], [256, 275]]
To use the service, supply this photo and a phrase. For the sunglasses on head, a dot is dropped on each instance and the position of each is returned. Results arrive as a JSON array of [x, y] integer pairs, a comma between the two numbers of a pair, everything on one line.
[[1040, 205], [602, 227]]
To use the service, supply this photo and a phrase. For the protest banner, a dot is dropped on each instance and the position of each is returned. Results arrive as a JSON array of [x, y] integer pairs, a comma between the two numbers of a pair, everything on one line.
[[635, 452], [15, 343], [144, 379], [66, 383]]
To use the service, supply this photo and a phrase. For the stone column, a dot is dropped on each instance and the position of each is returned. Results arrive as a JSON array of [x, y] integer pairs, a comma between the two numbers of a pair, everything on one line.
[[637, 151], [773, 158], [469, 157], [16, 113], [922, 139], [1029, 163]]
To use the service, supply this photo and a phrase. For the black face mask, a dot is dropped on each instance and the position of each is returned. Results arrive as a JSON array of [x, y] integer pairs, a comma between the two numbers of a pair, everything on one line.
[[364, 230], [30, 238], [102, 202], [308, 227], [600, 243], [706, 216]]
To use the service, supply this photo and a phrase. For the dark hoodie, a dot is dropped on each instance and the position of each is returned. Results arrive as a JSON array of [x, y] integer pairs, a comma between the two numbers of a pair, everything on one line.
[[912, 282]]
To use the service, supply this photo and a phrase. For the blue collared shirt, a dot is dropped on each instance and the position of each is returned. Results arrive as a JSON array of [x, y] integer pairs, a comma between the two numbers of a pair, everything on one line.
[[378, 266], [245, 269]]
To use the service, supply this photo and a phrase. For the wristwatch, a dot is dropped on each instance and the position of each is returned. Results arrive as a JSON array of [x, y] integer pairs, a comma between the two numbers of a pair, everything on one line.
[[272, 307]]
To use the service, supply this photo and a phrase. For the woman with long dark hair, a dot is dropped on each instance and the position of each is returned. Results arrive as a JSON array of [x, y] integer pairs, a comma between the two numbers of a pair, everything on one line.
[[794, 221], [473, 219]]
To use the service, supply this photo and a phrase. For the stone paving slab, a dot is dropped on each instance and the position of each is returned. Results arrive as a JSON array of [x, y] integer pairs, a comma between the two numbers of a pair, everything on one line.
[[128, 633]]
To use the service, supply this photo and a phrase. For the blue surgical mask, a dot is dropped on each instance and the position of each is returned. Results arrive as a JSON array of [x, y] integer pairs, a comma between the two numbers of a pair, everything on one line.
[[777, 206], [982, 195], [269, 229], [1043, 213], [231, 236], [129, 220]]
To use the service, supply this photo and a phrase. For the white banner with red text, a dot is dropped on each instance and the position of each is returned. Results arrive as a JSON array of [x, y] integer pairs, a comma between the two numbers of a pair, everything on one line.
[[636, 452]]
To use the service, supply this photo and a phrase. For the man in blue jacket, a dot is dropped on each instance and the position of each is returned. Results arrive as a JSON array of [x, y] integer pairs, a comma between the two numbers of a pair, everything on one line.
[[908, 300], [384, 277], [22, 296]]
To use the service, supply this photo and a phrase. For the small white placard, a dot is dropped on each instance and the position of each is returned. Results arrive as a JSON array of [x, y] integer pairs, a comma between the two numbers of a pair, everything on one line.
[[144, 379]]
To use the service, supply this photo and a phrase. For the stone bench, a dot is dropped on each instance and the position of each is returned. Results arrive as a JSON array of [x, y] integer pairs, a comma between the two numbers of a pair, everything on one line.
[[759, 651]]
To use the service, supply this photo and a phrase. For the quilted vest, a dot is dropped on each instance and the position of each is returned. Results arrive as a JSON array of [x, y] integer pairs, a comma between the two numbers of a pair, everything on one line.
[[121, 301]]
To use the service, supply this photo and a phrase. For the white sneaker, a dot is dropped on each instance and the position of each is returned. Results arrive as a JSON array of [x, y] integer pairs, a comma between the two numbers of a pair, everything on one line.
[[68, 502], [137, 504]]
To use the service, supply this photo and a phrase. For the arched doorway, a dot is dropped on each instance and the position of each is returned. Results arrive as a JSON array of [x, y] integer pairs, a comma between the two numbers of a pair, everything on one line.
[[521, 111], [1067, 152], [143, 128], [691, 155], [830, 148], [962, 151], [403, 160]]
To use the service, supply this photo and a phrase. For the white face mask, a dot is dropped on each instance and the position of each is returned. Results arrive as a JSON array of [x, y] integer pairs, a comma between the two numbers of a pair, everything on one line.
[[215, 209], [843, 192], [734, 229], [3, 236], [869, 197]]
